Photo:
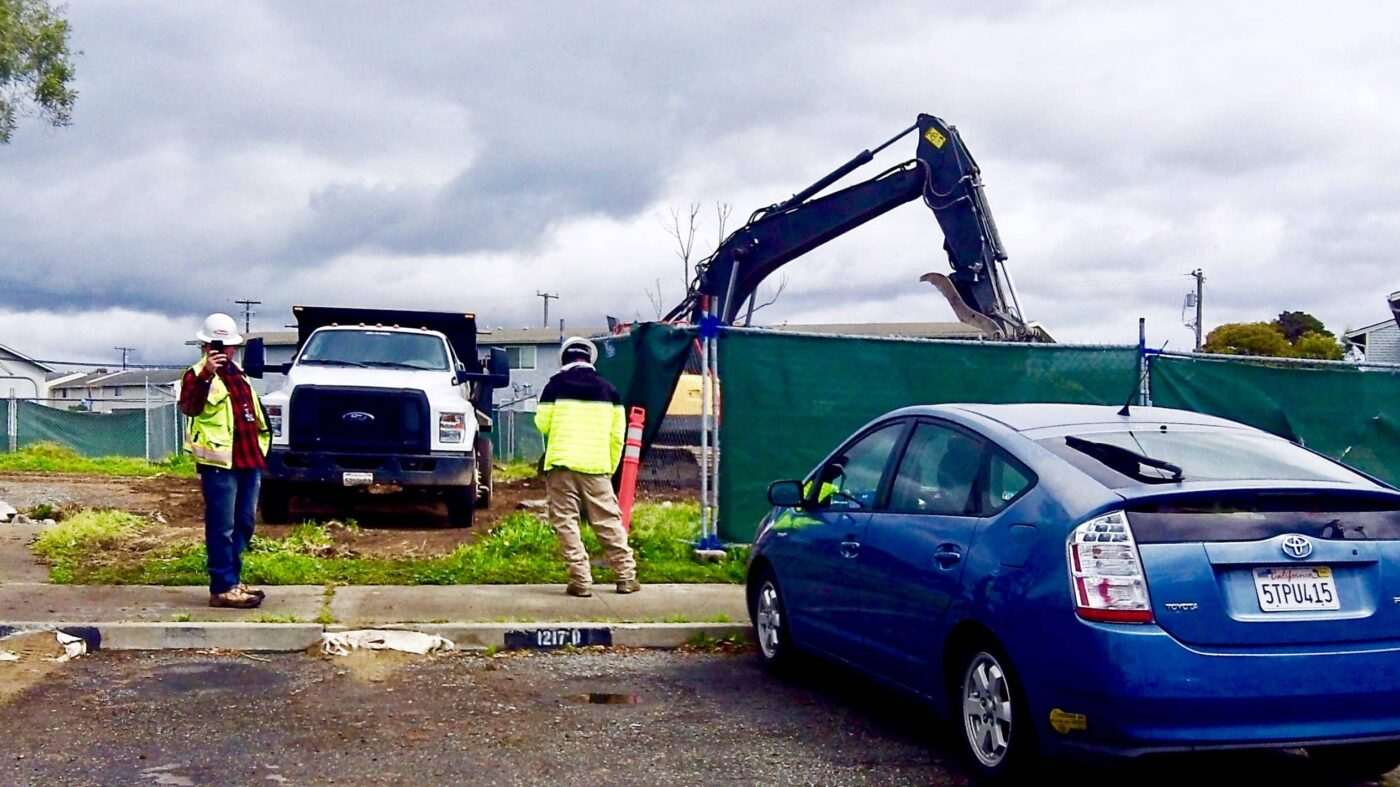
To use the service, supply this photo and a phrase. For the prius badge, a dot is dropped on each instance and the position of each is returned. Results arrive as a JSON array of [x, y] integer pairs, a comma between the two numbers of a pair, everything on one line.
[[1297, 547]]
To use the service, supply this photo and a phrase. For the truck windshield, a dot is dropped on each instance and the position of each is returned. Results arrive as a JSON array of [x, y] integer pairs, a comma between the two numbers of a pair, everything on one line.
[[1154, 456], [389, 349]]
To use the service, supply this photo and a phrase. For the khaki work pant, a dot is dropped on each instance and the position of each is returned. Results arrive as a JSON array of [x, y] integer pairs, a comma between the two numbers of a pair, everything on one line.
[[572, 493]]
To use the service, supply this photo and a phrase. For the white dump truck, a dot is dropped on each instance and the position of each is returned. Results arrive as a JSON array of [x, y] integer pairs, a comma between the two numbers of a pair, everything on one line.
[[381, 401]]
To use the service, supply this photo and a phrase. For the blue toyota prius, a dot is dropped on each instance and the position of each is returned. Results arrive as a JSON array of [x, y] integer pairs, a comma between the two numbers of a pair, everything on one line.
[[1065, 578]]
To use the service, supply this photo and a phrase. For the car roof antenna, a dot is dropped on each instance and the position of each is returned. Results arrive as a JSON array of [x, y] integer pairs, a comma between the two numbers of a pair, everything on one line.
[[1142, 377]]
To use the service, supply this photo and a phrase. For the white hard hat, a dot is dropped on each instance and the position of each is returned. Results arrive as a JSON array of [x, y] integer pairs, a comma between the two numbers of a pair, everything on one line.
[[219, 328], [579, 341]]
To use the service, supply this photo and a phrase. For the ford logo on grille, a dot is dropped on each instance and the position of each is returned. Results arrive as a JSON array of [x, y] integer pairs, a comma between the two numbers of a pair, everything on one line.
[[358, 417], [1296, 547]]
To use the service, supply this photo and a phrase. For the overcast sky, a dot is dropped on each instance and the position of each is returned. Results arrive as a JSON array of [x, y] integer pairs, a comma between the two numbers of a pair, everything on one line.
[[446, 156]]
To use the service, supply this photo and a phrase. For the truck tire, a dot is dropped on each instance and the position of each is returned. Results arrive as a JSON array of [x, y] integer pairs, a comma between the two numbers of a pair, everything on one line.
[[483, 473], [461, 506], [274, 503]]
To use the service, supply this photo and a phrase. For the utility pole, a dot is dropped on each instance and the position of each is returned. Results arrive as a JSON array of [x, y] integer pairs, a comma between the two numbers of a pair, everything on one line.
[[546, 296], [248, 313], [1200, 277], [124, 351]]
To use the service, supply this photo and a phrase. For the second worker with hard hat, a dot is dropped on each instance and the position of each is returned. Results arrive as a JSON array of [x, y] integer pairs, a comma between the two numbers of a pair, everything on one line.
[[581, 417]]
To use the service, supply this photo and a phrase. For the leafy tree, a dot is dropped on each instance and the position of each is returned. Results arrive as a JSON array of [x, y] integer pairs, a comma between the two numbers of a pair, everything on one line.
[[36, 66], [1319, 345], [1295, 325], [1248, 338]]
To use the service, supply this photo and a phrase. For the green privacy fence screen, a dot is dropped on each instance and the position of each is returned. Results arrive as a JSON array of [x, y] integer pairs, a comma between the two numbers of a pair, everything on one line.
[[153, 433], [789, 399], [645, 366], [1347, 413]]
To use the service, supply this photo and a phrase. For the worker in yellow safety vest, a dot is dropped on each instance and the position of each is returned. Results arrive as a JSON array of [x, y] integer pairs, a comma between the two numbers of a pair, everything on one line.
[[228, 436]]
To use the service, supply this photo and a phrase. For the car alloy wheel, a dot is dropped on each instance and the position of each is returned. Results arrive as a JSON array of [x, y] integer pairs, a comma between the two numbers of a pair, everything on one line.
[[768, 620], [986, 710]]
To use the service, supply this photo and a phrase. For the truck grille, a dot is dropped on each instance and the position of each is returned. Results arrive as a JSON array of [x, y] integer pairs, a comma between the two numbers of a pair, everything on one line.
[[359, 420]]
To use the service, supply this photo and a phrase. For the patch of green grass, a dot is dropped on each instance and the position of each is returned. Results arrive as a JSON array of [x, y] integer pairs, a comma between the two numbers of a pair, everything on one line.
[[41, 511], [521, 550], [720, 618], [55, 458], [510, 472], [276, 619], [85, 532], [181, 617]]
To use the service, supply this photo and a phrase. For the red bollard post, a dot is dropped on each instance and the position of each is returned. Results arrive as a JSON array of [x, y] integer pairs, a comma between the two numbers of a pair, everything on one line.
[[631, 460]]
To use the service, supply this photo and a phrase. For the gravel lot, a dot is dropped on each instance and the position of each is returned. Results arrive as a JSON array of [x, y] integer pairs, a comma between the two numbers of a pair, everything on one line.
[[657, 719]]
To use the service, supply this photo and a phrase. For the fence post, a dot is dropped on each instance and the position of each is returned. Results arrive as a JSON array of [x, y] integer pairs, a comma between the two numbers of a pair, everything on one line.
[[146, 419], [13, 419]]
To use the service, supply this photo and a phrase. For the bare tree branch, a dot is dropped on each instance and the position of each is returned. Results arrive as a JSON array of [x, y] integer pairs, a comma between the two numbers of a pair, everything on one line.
[[685, 237], [657, 302], [773, 297], [722, 211]]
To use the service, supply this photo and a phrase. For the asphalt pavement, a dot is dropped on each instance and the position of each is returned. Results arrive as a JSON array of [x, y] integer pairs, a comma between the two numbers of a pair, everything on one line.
[[586, 718]]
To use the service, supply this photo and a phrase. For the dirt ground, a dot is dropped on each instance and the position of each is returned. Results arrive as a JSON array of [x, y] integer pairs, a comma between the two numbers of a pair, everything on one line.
[[390, 525]]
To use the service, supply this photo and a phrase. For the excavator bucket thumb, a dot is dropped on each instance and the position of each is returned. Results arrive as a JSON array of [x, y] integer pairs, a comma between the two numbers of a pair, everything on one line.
[[965, 314]]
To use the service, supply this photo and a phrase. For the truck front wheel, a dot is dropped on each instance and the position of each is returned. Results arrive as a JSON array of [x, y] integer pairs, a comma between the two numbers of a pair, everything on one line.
[[461, 506], [274, 503]]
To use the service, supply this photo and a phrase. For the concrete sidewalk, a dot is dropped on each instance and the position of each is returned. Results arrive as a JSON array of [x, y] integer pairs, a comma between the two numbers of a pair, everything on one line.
[[294, 617]]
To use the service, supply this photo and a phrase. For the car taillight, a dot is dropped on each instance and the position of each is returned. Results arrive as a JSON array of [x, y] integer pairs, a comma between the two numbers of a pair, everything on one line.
[[452, 427], [1106, 573], [274, 419]]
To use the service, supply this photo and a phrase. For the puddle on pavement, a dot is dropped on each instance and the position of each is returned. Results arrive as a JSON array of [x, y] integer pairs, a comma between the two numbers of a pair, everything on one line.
[[605, 698], [212, 676]]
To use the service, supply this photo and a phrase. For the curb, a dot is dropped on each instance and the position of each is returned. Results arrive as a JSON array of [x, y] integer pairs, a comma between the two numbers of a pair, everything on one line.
[[290, 637]]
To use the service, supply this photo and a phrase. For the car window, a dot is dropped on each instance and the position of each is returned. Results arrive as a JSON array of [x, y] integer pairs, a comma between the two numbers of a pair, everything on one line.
[[938, 473], [1115, 458], [852, 478], [1005, 482]]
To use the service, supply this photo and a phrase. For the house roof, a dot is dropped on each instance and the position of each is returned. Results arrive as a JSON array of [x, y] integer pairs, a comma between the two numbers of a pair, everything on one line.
[[22, 357], [1380, 326], [119, 377]]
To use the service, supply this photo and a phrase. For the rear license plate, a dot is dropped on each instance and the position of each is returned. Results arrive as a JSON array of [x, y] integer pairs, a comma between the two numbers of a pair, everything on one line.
[[357, 479], [1296, 589]]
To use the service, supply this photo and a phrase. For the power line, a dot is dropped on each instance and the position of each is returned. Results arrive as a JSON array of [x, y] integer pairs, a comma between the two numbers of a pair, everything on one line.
[[546, 296], [124, 351], [248, 313]]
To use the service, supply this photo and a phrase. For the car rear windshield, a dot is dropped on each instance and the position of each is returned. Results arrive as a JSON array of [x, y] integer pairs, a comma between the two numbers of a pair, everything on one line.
[[378, 349], [1164, 455]]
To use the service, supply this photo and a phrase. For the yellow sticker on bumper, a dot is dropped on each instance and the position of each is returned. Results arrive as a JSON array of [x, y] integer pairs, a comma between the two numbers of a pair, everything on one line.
[[934, 137], [1065, 723]]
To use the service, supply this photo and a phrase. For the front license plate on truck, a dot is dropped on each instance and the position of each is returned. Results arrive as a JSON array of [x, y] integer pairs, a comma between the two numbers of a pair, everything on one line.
[[1296, 589], [357, 479]]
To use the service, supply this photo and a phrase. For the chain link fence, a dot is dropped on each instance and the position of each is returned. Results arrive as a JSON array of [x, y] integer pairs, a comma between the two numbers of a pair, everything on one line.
[[150, 427]]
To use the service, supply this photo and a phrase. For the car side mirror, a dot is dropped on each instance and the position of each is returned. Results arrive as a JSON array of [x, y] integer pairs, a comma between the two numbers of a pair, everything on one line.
[[785, 494], [255, 358]]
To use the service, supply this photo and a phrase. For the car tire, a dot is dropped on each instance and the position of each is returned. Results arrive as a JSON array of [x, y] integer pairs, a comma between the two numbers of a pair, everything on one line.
[[274, 503], [483, 478], [1354, 763], [991, 721], [461, 506], [768, 615]]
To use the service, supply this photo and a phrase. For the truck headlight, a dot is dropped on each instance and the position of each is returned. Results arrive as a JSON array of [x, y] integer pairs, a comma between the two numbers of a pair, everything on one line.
[[274, 419], [452, 427]]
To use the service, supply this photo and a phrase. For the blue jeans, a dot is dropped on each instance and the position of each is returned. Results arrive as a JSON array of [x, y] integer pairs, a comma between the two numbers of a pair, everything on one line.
[[230, 504]]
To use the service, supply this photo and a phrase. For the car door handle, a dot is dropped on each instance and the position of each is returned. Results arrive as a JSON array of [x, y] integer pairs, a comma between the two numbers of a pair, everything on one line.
[[850, 548], [947, 555]]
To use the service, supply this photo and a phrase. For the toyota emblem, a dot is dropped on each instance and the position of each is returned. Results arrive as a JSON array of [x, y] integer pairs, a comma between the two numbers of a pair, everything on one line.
[[1297, 547], [358, 417]]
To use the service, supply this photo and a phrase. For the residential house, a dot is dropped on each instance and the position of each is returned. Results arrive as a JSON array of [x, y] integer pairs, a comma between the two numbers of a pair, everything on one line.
[[22, 376], [104, 391], [1378, 343]]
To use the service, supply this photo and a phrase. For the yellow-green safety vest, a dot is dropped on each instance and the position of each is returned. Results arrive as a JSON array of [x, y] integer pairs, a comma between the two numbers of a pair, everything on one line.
[[209, 438]]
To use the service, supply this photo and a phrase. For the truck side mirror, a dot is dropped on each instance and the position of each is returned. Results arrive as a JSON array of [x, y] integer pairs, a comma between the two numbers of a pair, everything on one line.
[[460, 375], [255, 358], [498, 366]]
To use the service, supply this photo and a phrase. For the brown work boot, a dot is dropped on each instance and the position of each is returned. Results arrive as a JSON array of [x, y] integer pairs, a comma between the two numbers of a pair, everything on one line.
[[234, 599], [628, 586], [250, 591], [579, 591]]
